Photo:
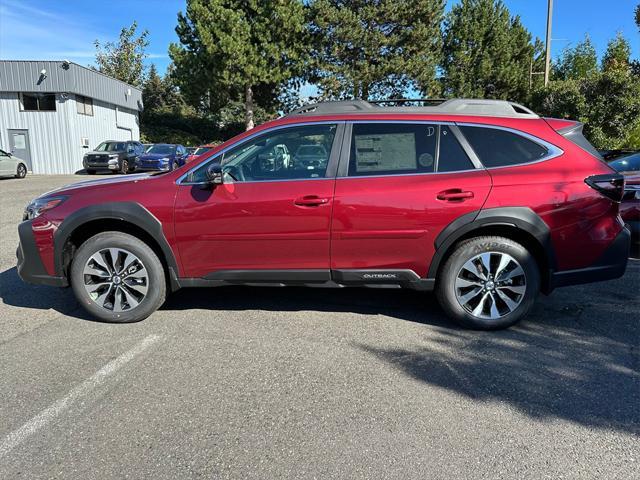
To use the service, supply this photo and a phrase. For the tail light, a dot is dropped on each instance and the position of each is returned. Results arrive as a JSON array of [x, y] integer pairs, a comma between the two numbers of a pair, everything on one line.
[[611, 185]]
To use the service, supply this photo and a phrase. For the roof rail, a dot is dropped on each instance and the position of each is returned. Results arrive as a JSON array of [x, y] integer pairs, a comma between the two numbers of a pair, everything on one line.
[[456, 106]]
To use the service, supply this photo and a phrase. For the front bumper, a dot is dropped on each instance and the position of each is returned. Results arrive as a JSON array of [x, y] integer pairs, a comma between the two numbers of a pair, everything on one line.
[[612, 264], [153, 165], [30, 266], [113, 164]]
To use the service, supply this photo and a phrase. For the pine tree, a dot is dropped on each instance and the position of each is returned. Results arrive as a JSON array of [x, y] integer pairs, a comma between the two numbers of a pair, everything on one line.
[[487, 53], [374, 48], [230, 48], [576, 62]]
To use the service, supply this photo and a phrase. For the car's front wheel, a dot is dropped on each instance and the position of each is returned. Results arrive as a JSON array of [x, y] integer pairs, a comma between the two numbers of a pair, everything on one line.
[[21, 171], [118, 278], [125, 166], [488, 283]]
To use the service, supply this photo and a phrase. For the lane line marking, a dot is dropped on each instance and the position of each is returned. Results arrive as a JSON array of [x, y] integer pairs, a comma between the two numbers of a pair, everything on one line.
[[50, 413]]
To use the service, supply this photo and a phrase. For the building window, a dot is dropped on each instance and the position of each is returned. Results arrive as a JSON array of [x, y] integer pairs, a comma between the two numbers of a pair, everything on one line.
[[38, 102], [84, 105]]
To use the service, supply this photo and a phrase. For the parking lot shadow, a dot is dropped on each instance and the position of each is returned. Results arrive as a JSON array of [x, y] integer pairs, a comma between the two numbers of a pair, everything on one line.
[[578, 362], [401, 304], [15, 292]]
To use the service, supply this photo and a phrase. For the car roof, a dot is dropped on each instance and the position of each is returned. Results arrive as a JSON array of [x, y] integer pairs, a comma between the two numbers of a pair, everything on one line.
[[456, 106]]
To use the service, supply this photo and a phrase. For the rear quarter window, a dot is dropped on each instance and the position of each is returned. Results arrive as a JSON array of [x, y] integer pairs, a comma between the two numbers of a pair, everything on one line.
[[500, 148]]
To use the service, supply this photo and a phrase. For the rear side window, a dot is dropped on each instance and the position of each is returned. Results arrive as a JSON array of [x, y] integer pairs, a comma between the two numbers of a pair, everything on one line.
[[501, 148], [399, 148], [387, 149], [451, 157]]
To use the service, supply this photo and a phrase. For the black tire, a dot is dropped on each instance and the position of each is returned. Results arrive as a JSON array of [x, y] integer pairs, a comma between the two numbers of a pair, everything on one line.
[[21, 171], [156, 284], [465, 251], [175, 166], [91, 172], [125, 166]]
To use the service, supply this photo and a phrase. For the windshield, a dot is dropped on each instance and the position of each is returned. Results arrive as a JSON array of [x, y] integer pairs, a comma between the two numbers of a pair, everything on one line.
[[201, 150], [630, 163], [311, 150], [162, 149], [110, 147]]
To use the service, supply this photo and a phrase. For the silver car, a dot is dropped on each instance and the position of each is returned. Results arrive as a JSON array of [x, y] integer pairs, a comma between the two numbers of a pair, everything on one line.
[[11, 166]]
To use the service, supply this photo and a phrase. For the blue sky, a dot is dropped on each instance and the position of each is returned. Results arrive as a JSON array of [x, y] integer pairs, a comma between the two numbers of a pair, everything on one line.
[[57, 29]]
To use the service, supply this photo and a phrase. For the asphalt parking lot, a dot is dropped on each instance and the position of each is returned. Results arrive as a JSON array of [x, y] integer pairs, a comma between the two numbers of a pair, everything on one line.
[[241, 382]]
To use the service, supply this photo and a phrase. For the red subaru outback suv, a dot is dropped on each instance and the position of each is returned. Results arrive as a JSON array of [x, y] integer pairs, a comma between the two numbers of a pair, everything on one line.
[[483, 201]]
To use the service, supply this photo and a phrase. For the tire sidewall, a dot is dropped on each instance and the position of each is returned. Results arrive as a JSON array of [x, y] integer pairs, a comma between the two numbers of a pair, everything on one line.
[[483, 245], [21, 172], [157, 283]]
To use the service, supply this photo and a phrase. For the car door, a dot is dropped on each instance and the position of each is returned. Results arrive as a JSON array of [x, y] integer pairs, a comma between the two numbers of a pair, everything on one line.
[[6, 164], [270, 219], [399, 185]]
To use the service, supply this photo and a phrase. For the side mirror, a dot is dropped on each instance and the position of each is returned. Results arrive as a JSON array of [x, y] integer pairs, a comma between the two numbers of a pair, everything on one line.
[[214, 174]]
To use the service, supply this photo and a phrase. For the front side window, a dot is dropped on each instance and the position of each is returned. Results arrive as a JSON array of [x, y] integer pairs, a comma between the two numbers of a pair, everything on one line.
[[501, 148], [38, 102], [284, 154]]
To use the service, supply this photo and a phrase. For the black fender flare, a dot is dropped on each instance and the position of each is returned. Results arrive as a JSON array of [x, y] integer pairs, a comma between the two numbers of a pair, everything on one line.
[[130, 212], [522, 218]]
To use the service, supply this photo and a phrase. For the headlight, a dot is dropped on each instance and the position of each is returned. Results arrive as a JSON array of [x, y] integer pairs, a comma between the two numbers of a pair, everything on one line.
[[40, 205], [164, 159], [113, 156]]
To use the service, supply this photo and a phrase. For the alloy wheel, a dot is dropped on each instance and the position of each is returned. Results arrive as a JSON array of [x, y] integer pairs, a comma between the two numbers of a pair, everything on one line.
[[22, 171], [490, 285], [115, 279]]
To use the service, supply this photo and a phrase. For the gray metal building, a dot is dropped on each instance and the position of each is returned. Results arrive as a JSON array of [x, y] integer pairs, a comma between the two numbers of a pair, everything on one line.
[[53, 112]]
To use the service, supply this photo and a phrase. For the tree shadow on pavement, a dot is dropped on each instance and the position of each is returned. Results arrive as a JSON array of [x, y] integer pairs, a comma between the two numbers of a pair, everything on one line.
[[575, 358]]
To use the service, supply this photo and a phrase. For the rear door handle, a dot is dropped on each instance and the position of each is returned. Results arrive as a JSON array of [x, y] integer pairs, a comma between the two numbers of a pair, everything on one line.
[[454, 195], [311, 201]]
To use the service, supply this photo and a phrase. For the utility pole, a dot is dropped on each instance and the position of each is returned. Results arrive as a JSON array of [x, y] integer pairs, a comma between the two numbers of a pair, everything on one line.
[[547, 60]]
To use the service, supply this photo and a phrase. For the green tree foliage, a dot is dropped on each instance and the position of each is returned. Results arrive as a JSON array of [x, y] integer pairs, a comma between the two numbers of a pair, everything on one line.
[[638, 16], [374, 48], [229, 48], [124, 59], [617, 56], [576, 62], [607, 100], [487, 53]]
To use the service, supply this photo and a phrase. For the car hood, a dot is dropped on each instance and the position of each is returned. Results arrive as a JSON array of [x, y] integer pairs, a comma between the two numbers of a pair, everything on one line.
[[93, 152], [155, 156], [98, 183]]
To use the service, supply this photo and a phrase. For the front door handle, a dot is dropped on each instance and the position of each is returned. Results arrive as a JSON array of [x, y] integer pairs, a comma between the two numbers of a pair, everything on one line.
[[311, 201], [454, 195]]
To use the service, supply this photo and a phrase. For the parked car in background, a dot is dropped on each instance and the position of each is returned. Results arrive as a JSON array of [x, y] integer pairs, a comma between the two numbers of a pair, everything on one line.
[[113, 155], [199, 151], [162, 156], [609, 155], [626, 164], [629, 166], [482, 201], [12, 166]]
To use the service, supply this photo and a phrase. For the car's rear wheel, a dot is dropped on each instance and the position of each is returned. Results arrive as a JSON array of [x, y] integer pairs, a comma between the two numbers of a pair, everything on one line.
[[21, 171], [118, 278], [488, 283]]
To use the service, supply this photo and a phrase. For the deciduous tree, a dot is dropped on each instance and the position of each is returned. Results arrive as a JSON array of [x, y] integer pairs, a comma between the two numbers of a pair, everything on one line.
[[124, 59]]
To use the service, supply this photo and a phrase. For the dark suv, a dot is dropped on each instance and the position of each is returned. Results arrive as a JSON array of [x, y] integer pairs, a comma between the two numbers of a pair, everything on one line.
[[483, 201], [114, 155]]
